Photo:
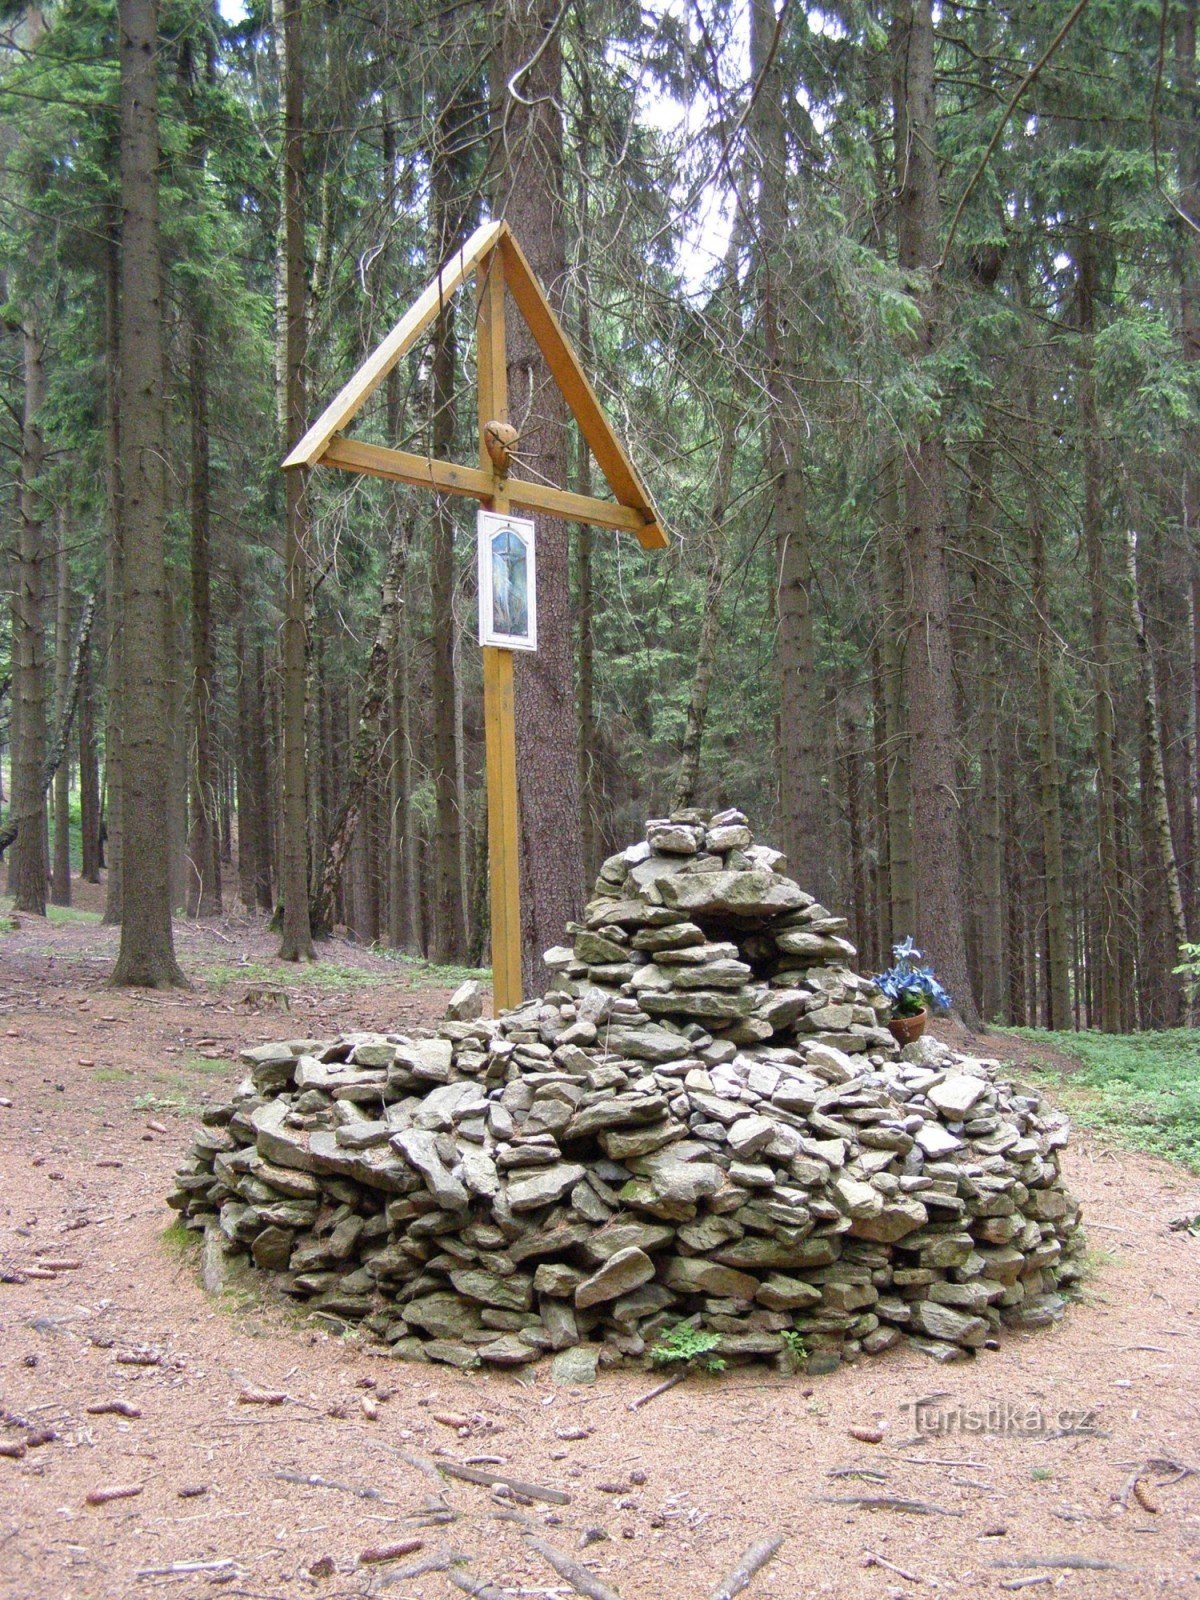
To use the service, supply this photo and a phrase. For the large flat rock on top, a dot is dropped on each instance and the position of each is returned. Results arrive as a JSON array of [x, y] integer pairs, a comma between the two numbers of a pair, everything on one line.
[[756, 893]]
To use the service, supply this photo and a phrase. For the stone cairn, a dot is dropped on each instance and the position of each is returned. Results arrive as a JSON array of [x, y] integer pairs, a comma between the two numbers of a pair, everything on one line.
[[702, 1121]]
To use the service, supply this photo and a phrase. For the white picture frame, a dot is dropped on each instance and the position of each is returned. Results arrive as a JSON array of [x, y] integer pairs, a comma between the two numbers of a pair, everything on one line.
[[507, 557]]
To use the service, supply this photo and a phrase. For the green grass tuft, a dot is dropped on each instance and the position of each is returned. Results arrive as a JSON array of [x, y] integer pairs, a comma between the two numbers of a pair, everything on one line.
[[178, 1240], [1143, 1089]]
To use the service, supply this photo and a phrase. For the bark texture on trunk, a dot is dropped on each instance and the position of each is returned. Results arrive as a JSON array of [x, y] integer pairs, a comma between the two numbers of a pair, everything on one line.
[[60, 881], [203, 844], [147, 951], [114, 578], [529, 131], [89, 774], [1104, 735], [1058, 974], [1162, 873], [356, 808], [804, 810], [928, 664], [27, 864], [296, 933]]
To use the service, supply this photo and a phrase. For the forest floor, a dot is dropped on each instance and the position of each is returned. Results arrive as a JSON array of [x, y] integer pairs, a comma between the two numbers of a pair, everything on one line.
[[98, 1092]]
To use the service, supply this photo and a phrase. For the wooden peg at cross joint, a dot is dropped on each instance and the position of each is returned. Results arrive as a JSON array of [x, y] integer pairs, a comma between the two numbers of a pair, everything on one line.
[[501, 440]]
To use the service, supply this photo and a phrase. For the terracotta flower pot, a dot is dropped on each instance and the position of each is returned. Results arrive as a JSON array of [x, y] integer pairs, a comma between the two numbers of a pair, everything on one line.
[[905, 1030]]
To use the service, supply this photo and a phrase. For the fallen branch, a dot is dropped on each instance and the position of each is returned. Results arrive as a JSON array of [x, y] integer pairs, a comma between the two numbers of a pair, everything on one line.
[[874, 1560], [313, 1480], [440, 1560], [659, 1388], [580, 1579], [115, 1408], [753, 1561], [476, 1586], [179, 1569], [1069, 1563], [483, 1475], [887, 1502], [1026, 1583]]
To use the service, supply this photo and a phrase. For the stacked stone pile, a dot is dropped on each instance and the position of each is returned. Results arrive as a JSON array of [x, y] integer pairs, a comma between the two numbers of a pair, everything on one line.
[[702, 1120]]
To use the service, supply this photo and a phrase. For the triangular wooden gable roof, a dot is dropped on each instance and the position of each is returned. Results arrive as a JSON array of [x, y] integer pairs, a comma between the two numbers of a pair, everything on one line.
[[491, 245]]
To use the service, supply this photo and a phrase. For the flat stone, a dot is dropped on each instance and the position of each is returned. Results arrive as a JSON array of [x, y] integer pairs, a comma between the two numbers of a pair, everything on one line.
[[955, 1096], [443, 1107], [944, 1323], [781, 1293], [428, 1059], [419, 1149], [897, 1219], [645, 1043], [757, 893], [466, 1003], [513, 1293], [615, 1111], [544, 1187], [712, 1005], [696, 1275], [595, 949], [936, 1141], [624, 1271], [575, 1366], [509, 1351], [748, 1135]]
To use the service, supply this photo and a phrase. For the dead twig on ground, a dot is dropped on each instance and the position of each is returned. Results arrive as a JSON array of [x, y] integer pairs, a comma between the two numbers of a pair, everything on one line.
[[476, 1586], [659, 1388], [872, 1559], [887, 1502], [484, 1475], [313, 1480], [753, 1561], [1066, 1563], [580, 1579]]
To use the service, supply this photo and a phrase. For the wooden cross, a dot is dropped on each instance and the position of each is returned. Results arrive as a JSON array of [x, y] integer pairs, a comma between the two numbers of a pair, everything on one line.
[[493, 255]]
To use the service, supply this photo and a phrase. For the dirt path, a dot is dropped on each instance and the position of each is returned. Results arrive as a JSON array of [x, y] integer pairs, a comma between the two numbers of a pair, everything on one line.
[[103, 1089]]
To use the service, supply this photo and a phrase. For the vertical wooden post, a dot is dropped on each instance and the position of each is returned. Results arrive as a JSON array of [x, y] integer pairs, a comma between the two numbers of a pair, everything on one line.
[[498, 718]]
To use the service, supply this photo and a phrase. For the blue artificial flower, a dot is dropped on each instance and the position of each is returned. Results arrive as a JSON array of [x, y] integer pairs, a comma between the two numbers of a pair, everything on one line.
[[910, 987]]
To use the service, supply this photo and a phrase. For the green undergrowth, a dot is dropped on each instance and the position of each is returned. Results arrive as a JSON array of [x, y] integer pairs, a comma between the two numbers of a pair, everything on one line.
[[423, 974], [290, 975], [1142, 1089], [56, 916]]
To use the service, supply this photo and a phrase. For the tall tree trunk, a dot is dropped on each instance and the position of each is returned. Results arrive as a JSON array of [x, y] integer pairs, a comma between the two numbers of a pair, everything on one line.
[[296, 933], [889, 567], [203, 844], [147, 951], [403, 909], [89, 775], [530, 134], [1104, 740], [368, 738], [1058, 976], [114, 581], [60, 885], [266, 862], [1188, 13], [1163, 880], [585, 597], [27, 879], [928, 666], [804, 825]]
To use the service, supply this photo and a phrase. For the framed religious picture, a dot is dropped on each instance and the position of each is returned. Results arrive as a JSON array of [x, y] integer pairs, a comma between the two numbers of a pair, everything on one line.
[[507, 582]]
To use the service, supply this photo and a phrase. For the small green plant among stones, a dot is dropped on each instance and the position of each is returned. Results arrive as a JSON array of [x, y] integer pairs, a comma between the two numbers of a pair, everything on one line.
[[688, 1346], [795, 1343]]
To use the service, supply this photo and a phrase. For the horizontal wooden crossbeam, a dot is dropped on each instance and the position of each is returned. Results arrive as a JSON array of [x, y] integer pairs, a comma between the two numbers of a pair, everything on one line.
[[401, 466]]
